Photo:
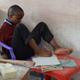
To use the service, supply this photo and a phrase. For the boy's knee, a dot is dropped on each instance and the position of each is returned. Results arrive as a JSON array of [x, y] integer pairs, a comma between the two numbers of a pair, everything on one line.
[[20, 24], [42, 24]]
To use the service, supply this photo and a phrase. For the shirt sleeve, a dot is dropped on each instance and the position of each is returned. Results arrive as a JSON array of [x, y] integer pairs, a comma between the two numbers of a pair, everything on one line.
[[2, 34]]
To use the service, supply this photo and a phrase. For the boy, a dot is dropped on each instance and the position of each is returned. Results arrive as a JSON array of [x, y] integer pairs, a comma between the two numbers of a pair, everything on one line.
[[15, 14], [25, 43]]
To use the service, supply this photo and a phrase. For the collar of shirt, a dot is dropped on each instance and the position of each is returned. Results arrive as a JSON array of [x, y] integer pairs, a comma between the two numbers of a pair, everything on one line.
[[9, 22]]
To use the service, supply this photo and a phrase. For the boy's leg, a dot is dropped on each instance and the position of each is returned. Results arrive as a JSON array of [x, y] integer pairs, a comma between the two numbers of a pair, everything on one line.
[[42, 31], [20, 42]]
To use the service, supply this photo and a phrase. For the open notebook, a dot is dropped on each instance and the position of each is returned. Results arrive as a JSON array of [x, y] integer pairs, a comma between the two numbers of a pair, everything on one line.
[[44, 61]]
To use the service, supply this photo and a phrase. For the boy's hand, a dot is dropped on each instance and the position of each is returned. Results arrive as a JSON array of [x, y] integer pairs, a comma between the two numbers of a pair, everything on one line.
[[43, 53], [63, 51]]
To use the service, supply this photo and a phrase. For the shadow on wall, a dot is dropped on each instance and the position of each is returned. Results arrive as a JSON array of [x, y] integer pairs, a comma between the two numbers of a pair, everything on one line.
[[3, 15]]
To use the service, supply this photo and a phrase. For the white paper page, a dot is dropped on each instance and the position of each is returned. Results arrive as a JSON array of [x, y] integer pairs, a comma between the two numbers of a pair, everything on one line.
[[39, 61]]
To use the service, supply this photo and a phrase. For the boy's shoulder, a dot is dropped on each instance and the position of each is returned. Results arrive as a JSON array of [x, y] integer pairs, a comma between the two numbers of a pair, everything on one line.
[[6, 26]]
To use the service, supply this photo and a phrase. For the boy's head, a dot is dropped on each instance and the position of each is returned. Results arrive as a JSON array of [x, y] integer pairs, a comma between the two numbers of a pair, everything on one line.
[[15, 13]]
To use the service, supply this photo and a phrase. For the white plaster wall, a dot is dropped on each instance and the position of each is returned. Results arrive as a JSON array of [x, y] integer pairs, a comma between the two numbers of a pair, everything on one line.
[[62, 17]]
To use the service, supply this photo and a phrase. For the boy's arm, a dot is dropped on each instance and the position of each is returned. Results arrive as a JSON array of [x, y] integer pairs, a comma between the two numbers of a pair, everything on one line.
[[54, 44], [38, 51]]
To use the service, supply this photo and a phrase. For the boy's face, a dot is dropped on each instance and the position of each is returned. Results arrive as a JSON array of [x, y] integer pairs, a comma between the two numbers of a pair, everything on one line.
[[16, 19]]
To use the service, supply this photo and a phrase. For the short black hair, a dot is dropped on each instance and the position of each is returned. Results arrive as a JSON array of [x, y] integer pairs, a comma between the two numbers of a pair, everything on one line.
[[15, 10]]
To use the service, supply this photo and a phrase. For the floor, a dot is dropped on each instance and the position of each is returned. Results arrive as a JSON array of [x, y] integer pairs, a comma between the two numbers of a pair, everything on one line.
[[75, 77]]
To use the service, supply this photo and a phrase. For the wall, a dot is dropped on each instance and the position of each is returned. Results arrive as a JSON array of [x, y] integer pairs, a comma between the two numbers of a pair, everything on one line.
[[62, 17]]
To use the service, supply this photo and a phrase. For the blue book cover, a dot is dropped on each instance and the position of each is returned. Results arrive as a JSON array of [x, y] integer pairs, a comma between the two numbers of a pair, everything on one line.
[[68, 63]]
